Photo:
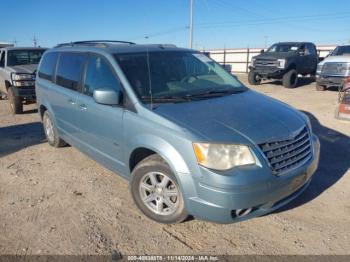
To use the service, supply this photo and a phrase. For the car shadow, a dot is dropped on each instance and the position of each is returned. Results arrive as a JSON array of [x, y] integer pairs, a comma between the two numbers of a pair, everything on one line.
[[302, 81], [16, 137], [334, 163], [31, 111]]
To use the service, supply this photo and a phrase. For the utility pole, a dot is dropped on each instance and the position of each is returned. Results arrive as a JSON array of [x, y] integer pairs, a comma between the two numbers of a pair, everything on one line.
[[35, 41], [191, 23]]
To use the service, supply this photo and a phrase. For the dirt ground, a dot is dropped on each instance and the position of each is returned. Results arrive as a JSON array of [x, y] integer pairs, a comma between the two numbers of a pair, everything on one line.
[[58, 201]]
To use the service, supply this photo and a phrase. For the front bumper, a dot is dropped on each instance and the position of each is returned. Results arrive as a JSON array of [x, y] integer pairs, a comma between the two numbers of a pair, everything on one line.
[[268, 71], [219, 196], [330, 81], [27, 93]]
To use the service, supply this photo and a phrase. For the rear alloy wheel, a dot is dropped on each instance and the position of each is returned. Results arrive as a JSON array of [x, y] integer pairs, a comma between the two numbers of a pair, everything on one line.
[[16, 105], [51, 132], [290, 79], [254, 78], [156, 192]]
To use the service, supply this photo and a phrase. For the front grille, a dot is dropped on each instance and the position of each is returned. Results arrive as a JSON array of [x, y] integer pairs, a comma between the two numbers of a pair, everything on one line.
[[287, 154], [265, 63], [335, 69]]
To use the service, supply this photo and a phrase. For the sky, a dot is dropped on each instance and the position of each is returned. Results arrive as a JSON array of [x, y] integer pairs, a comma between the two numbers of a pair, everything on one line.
[[217, 23]]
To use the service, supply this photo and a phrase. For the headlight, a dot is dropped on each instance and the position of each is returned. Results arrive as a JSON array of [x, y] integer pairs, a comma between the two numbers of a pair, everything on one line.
[[281, 63], [23, 83], [253, 61], [223, 156], [20, 77], [319, 69]]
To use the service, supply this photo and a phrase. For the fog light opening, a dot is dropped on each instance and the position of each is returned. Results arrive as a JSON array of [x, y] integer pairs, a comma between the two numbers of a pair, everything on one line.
[[242, 212]]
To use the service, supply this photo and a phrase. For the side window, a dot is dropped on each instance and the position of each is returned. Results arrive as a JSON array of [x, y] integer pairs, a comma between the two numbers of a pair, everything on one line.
[[2, 59], [307, 50], [69, 70], [47, 66], [312, 49], [99, 74]]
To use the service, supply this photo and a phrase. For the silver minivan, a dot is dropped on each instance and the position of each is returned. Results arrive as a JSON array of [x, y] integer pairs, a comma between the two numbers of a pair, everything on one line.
[[189, 137]]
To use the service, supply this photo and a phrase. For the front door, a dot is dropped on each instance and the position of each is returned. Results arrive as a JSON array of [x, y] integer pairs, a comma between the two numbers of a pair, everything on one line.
[[101, 125]]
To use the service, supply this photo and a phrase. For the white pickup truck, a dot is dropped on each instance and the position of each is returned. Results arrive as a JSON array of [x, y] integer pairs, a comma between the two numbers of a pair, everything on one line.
[[17, 75], [334, 69]]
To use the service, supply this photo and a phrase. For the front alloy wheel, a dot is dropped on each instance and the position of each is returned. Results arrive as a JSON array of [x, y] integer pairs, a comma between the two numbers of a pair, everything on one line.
[[159, 193], [156, 191]]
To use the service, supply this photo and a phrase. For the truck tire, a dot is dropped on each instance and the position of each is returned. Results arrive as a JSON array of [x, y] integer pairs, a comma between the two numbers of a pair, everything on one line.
[[253, 78], [2, 95], [290, 79], [320, 88], [15, 102]]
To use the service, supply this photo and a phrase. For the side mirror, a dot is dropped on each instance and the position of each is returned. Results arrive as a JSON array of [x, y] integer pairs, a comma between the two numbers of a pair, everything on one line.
[[107, 96], [262, 51]]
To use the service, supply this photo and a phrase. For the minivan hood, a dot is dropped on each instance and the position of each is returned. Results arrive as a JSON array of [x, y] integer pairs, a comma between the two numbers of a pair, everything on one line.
[[274, 56], [23, 68], [247, 117]]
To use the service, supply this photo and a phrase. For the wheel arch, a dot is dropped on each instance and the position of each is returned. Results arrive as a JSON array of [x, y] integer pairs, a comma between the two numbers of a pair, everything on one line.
[[150, 144], [7, 85], [292, 66], [146, 145]]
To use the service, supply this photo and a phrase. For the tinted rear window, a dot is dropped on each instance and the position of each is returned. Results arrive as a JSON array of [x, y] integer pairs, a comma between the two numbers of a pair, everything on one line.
[[24, 57], [69, 70], [48, 65]]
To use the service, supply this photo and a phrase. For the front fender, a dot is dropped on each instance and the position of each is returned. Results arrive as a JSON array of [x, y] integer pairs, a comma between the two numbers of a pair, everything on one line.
[[163, 148], [176, 162]]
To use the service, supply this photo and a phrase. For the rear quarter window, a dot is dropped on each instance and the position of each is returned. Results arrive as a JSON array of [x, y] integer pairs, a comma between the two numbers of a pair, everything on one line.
[[47, 66], [69, 70]]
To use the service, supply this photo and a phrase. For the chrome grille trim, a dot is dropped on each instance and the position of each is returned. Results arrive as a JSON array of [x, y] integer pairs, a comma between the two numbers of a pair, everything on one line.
[[286, 155], [263, 63], [335, 69]]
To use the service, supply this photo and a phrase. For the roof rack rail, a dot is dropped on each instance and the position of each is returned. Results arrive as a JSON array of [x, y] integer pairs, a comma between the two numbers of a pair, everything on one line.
[[95, 42]]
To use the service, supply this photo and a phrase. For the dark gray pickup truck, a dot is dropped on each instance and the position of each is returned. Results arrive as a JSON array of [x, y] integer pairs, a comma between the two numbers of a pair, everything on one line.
[[17, 75], [284, 61]]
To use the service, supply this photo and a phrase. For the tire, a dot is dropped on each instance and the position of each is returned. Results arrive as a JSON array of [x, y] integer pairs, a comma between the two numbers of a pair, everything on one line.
[[2, 96], [15, 102], [146, 183], [320, 88], [290, 79], [253, 78], [51, 131]]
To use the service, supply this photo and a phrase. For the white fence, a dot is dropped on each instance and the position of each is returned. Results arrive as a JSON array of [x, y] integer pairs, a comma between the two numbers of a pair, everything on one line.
[[238, 59]]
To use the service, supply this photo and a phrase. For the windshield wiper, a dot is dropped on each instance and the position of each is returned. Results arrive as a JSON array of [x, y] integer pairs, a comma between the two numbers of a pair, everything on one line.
[[189, 97], [214, 93], [164, 99]]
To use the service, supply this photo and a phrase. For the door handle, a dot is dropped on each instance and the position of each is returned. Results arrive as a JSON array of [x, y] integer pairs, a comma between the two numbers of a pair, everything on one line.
[[82, 107], [71, 101]]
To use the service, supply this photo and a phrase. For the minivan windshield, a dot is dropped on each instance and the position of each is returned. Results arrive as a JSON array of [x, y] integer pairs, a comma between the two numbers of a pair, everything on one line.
[[24, 57], [283, 48], [341, 50], [176, 76]]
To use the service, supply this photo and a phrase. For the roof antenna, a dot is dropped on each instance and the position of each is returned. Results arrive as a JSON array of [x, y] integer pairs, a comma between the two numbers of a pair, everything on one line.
[[149, 79]]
